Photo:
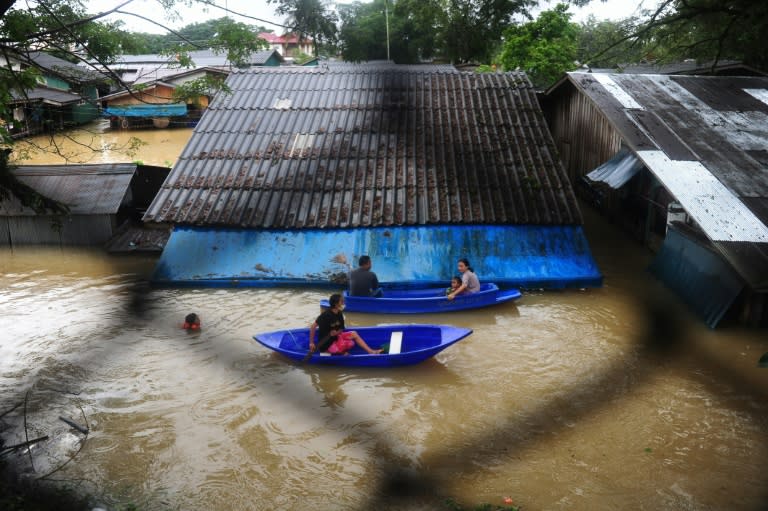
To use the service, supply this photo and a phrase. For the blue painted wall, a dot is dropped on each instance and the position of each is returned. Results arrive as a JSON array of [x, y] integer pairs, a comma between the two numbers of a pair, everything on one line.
[[521, 256], [698, 275]]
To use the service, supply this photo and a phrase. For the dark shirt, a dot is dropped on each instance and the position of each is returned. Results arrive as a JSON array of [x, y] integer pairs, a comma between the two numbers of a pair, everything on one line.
[[362, 282], [326, 322]]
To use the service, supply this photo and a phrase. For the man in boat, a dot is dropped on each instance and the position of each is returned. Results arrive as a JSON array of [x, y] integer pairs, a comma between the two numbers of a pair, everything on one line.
[[329, 327], [362, 281]]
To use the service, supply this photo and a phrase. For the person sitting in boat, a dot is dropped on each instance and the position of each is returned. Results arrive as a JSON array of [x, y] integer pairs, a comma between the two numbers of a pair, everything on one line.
[[455, 284], [469, 281], [191, 322], [329, 327], [362, 281]]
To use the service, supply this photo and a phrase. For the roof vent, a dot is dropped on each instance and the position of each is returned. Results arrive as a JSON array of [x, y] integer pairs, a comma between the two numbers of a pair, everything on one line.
[[283, 104]]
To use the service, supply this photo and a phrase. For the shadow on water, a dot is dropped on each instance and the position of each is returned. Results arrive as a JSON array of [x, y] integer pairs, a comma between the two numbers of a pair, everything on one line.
[[663, 341]]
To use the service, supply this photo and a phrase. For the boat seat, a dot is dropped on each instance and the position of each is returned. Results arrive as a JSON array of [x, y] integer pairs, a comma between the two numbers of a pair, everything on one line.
[[395, 343]]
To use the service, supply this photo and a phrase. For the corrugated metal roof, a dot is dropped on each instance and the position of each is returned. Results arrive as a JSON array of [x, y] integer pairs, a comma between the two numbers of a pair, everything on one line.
[[617, 171], [200, 58], [348, 146], [64, 68], [87, 189], [47, 95], [706, 140]]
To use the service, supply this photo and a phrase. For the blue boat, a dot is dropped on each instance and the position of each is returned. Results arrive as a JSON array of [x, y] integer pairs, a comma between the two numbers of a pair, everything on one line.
[[425, 301], [407, 344]]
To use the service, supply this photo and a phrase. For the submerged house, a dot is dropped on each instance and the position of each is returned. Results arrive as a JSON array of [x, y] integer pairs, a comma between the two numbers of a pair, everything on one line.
[[96, 200], [682, 163], [299, 171], [66, 95], [145, 98], [152, 102]]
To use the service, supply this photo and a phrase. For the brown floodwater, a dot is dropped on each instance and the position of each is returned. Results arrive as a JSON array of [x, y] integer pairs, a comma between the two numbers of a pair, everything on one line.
[[598, 399], [97, 143]]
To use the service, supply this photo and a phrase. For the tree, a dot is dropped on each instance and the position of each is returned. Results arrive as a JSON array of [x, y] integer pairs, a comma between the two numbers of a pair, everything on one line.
[[456, 30], [707, 30], [608, 44], [544, 48], [362, 35], [473, 28], [309, 18]]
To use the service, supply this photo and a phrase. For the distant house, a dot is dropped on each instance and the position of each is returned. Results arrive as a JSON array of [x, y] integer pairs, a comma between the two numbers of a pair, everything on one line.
[[143, 68], [289, 45], [100, 198], [67, 95], [150, 102], [299, 171], [682, 162]]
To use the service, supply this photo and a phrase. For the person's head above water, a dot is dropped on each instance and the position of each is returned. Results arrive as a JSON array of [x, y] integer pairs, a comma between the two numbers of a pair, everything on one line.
[[192, 321]]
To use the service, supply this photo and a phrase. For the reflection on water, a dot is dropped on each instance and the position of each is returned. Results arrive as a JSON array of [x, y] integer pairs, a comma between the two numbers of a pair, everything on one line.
[[553, 400], [97, 143]]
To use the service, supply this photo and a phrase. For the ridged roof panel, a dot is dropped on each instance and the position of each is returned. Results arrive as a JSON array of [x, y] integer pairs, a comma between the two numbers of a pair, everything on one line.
[[346, 146]]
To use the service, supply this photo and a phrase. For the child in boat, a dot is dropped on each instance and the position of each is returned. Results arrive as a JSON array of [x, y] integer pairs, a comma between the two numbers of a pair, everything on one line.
[[191, 322], [455, 284], [331, 333]]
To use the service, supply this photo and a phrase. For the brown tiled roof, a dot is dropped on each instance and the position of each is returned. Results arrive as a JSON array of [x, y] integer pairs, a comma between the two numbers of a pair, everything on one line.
[[382, 145]]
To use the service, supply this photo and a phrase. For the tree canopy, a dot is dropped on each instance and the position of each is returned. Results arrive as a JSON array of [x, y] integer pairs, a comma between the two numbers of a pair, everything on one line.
[[311, 18], [543, 48]]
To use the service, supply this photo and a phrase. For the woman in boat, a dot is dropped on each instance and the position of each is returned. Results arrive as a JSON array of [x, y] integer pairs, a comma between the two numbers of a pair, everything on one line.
[[469, 281], [329, 327]]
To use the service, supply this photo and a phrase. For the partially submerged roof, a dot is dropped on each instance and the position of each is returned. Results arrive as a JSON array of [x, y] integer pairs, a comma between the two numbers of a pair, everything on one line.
[[56, 97], [150, 77], [706, 140], [370, 145], [96, 189], [63, 68]]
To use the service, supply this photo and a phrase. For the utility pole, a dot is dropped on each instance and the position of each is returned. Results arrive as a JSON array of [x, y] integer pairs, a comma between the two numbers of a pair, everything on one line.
[[386, 21]]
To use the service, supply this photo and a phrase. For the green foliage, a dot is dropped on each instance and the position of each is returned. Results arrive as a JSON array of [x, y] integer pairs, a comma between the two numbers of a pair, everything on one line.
[[237, 40], [485, 68], [707, 30], [363, 31], [208, 85], [544, 48], [456, 30], [301, 58], [609, 44], [473, 28]]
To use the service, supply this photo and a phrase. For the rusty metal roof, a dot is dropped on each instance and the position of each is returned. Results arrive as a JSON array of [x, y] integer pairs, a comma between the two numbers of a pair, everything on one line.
[[96, 189], [370, 145], [706, 140]]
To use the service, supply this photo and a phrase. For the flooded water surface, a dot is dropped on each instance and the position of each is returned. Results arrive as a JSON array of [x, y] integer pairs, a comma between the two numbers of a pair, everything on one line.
[[597, 399], [97, 143]]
